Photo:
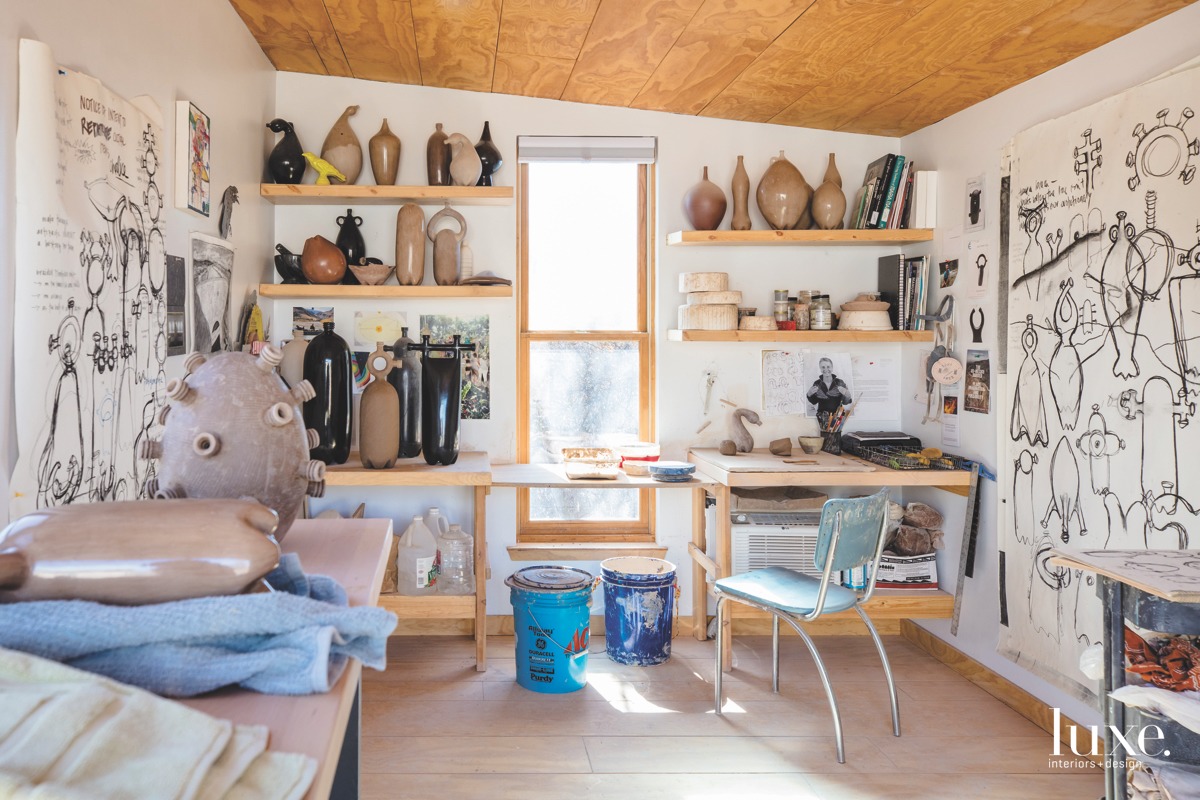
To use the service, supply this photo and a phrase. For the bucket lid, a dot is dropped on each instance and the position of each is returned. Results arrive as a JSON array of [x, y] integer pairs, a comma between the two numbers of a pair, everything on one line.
[[550, 578]]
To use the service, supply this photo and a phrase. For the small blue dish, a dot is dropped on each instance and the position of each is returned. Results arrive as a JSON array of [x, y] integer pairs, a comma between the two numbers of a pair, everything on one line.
[[671, 471]]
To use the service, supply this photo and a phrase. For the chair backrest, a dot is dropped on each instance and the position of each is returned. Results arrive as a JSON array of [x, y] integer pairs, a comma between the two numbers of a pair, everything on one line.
[[863, 520]]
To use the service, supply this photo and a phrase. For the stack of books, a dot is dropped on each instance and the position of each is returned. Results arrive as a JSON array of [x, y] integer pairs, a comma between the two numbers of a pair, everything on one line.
[[904, 282], [894, 194]]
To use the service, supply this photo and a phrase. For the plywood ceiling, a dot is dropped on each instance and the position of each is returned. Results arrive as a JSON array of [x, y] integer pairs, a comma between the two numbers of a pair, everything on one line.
[[886, 67]]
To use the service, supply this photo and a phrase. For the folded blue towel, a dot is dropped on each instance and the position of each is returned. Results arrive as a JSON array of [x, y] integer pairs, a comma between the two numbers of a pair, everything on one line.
[[276, 643]]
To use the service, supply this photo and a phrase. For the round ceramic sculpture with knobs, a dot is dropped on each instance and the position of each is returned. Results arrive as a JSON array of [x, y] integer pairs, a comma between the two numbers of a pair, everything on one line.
[[233, 429]]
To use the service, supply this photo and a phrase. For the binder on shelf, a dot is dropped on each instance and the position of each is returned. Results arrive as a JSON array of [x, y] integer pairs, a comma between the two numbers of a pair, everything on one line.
[[925, 199], [892, 288], [895, 172]]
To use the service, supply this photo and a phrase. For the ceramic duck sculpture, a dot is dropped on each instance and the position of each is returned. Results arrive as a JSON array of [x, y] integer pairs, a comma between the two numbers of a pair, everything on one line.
[[324, 169], [286, 162], [342, 148]]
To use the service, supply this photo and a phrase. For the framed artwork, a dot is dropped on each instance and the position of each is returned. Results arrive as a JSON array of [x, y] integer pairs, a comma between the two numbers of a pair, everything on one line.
[[193, 151], [209, 278]]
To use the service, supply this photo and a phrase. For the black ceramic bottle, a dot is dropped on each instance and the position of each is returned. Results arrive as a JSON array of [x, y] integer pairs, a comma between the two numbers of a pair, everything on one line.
[[405, 378], [441, 398], [489, 154], [327, 368], [286, 163], [350, 242]]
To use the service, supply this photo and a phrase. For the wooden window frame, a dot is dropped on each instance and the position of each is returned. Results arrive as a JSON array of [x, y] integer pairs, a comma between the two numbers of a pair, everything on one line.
[[640, 530]]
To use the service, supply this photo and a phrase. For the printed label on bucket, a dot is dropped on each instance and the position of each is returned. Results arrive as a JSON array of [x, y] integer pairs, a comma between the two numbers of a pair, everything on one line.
[[544, 652]]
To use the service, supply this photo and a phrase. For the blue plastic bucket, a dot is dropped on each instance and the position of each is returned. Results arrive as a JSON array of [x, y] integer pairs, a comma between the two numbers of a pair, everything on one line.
[[553, 627], [639, 595]]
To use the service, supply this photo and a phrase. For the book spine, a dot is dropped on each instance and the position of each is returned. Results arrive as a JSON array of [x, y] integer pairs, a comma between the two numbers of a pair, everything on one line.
[[889, 197], [931, 199], [906, 187], [880, 190]]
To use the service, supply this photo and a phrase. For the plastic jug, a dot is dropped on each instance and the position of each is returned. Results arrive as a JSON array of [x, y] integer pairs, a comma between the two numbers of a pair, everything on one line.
[[416, 560], [436, 522], [457, 549]]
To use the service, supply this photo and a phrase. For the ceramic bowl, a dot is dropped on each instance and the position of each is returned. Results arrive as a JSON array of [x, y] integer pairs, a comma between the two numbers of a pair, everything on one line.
[[371, 274], [811, 444], [671, 471], [287, 264]]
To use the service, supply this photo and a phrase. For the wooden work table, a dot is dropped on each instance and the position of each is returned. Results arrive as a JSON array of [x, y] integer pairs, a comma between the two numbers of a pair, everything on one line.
[[354, 553], [759, 469]]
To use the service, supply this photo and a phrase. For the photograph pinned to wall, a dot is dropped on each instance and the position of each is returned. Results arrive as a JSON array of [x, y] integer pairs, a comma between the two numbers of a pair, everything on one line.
[[193, 151], [477, 381], [361, 373], [176, 306], [377, 326], [310, 320], [783, 385], [950, 437], [949, 271], [208, 295], [980, 265], [976, 205], [978, 395], [828, 382]]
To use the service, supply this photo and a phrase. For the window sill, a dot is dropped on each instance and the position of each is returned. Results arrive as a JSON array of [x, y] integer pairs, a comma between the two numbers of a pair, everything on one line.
[[577, 551]]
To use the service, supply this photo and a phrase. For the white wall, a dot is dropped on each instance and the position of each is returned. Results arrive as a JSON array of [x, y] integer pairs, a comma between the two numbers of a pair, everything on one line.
[[959, 148], [686, 145], [198, 51]]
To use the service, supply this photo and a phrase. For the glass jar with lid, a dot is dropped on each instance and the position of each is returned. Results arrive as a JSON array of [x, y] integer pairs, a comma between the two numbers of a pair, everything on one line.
[[820, 313]]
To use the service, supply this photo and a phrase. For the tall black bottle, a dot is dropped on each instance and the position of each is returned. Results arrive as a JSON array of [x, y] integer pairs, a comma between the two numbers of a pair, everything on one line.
[[441, 401], [405, 378], [350, 242], [327, 368]]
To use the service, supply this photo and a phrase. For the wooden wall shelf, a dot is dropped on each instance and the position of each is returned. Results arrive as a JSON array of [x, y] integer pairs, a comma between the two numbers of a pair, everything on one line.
[[337, 291], [431, 607], [839, 337], [815, 238], [310, 194], [471, 469]]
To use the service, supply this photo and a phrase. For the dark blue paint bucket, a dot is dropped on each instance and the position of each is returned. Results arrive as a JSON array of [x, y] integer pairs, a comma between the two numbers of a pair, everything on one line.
[[639, 602], [552, 626]]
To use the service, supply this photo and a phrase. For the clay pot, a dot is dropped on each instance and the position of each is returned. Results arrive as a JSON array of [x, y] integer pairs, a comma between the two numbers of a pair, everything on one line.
[[322, 261], [446, 246], [704, 205], [291, 369], [371, 274], [379, 415], [741, 198], [342, 148], [783, 194], [385, 155], [287, 264], [465, 164], [410, 245], [437, 158], [829, 201], [489, 155]]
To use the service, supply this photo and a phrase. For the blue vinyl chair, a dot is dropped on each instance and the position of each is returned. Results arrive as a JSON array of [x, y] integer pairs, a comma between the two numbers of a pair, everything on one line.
[[851, 535]]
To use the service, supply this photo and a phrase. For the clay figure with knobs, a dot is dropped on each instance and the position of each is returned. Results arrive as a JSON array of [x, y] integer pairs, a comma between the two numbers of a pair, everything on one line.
[[447, 246], [233, 429]]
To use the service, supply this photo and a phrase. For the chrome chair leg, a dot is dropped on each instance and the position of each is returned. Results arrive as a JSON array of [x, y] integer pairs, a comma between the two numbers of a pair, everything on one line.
[[837, 720], [887, 669], [775, 653], [720, 660]]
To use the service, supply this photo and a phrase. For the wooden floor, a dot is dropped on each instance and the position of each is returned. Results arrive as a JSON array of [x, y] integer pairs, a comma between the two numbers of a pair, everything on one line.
[[435, 728]]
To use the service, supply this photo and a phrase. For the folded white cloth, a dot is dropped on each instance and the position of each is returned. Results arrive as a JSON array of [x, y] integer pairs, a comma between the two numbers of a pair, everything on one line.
[[66, 734], [1182, 707]]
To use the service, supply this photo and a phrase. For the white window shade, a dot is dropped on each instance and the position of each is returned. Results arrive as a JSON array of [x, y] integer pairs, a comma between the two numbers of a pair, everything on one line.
[[635, 149]]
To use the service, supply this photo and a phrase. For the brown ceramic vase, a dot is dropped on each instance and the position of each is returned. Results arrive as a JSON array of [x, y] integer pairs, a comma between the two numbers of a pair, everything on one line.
[[410, 245], [342, 148], [437, 158], [385, 155], [322, 261], [704, 205], [379, 415], [829, 201], [783, 194], [741, 198]]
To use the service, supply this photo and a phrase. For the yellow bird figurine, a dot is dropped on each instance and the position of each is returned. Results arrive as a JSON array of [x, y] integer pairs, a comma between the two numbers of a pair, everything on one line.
[[324, 169]]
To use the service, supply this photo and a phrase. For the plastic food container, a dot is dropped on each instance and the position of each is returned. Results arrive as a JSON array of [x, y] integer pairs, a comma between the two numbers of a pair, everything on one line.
[[638, 451]]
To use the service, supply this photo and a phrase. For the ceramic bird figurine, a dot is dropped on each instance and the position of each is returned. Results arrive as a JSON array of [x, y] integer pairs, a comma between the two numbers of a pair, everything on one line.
[[286, 162], [324, 169], [225, 224]]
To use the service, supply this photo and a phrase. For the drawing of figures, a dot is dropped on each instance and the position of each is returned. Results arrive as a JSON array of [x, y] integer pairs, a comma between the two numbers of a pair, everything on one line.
[[1029, 406], [1099, 445], [1122, 286], [1066, 369], [1046, 585], [1127, 527], [1157, 408], [1024, 524], [60, 466], [1064, 490], [1184, 292], [1031, 222], [212, 271]]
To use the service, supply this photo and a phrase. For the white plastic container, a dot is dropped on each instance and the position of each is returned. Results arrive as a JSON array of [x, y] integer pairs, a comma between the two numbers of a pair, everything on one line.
[[416, 560], [457, 549]]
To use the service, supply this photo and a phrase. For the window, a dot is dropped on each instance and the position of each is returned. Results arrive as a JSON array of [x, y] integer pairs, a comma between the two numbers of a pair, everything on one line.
[[586, 344]]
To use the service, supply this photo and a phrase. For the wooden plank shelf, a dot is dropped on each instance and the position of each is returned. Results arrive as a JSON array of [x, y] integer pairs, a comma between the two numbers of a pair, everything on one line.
[[337, 291], [815, 238], [310, 194], [552, 476], [471, 469], [800, 336], [431, 607]]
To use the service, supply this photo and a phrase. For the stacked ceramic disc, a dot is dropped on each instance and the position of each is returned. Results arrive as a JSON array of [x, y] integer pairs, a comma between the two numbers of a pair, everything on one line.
[[710, 304]]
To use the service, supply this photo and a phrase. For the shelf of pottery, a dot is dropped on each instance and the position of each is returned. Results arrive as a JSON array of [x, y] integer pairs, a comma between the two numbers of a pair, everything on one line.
[[458, 172]]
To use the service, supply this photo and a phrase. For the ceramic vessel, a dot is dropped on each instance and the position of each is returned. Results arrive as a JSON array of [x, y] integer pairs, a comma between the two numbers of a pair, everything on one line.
[[342, 148], [232, 428], [489, 156], [829, 201], [465, 165], [385, 155], [704, 205], [410, 245], [783, 194], [137, 552], [322, 261], [291, 368], [447, 246], [405, 378], [327, 369], [371, 273], [379, 415], [287, 264], [441, 401], [741, 198], [437, 158], [286, 163], [350, 242]]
